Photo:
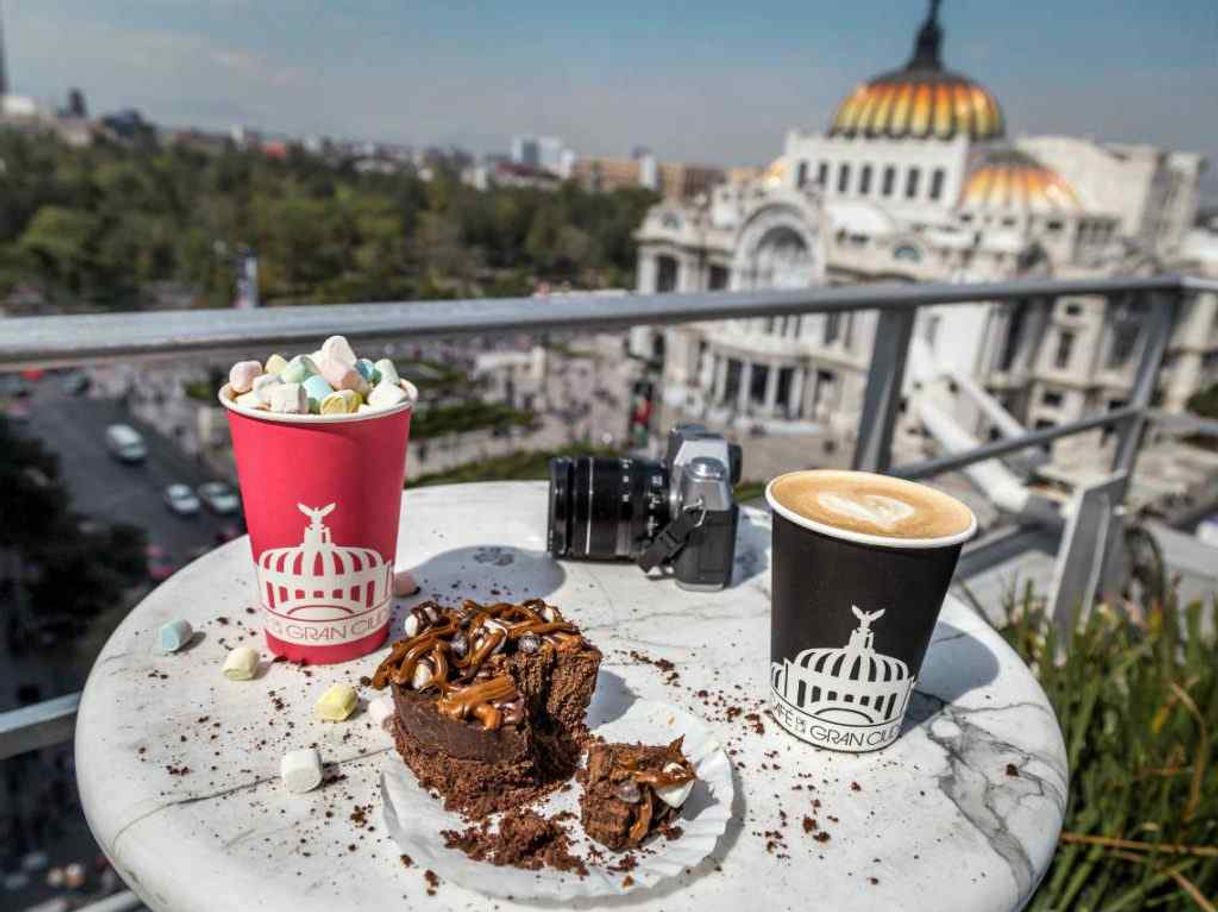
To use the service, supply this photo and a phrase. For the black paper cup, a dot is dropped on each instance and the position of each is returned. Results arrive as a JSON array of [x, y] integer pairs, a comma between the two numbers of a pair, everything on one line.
[[851, 617]]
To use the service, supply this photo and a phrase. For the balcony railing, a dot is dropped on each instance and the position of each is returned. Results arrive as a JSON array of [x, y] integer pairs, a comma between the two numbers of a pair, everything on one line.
[[56, 341]]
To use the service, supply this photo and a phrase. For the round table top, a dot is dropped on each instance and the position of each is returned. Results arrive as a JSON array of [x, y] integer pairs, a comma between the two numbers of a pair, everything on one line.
[[178, 766]]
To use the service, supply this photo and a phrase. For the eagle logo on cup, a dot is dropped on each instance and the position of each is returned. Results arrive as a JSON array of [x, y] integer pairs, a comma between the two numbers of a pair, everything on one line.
[[319, 592], [850, 696]]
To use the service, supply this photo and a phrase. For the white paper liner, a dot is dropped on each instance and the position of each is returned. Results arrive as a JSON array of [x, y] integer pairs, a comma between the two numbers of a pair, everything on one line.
[[415, 819]]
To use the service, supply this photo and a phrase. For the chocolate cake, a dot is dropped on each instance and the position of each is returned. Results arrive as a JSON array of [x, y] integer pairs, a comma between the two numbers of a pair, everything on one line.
[[490, 700], [632, 791]]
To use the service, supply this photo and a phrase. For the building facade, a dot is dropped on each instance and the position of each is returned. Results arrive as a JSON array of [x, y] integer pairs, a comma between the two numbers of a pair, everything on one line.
[[916, 179]]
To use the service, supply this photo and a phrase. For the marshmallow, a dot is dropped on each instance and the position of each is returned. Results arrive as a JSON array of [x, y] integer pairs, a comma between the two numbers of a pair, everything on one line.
[[422, 675], [250, 400], [675, 795], [263, 385], [298, 370], [301, 770], [340, 402], [404, 583], [241, 664], [241, 376], [289, 399], [385, 394], [388, 371], [337, 348], [309, 384], [174, 635], [381, 711], [337, 703], [317, 389]]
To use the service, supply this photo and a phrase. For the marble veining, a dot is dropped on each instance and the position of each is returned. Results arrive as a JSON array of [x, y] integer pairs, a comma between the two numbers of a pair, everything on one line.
[[178, 767]]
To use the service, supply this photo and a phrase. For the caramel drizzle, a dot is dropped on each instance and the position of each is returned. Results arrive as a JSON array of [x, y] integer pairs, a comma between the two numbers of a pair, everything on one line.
[[659, 779], [469, 693]]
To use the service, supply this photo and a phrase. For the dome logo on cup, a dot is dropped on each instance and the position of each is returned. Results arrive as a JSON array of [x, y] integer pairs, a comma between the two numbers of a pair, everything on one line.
[[319, 592], [849, 697]]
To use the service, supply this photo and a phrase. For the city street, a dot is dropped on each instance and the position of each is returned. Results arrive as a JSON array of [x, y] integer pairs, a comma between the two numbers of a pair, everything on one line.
[[74, 428]]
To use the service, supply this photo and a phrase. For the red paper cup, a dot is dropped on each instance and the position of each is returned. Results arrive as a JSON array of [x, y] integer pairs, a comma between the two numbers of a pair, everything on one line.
[[322, 496]]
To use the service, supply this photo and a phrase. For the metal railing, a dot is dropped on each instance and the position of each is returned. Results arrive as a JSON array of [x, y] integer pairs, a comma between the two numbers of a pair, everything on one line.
[[54, 341]]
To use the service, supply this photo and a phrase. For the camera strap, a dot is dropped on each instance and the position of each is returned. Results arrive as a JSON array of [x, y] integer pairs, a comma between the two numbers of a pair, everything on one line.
[[672, 538]]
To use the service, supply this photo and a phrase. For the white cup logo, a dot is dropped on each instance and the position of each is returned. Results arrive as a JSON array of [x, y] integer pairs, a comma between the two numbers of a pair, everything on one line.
[[320, 593], [849, 698]]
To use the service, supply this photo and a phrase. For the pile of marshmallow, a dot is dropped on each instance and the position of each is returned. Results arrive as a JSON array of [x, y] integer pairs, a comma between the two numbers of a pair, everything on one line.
[[330, 381]]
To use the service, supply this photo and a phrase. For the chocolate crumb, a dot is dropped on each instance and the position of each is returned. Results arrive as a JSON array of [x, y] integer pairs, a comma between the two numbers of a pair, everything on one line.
[[627, 882], [1012, 769], [433, 881], [855, 787], [407, 861], [524, 839], [809, 824]]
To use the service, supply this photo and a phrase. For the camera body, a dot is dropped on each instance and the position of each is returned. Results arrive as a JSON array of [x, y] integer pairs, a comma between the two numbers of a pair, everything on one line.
[[678, 512]]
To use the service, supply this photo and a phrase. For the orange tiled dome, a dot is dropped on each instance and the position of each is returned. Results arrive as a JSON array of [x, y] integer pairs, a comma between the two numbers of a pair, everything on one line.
[[1010, 179], [921, 99]]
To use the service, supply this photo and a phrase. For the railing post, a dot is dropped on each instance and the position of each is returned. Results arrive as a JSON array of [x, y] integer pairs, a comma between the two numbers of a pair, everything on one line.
[[1159, 324], [873, 452]]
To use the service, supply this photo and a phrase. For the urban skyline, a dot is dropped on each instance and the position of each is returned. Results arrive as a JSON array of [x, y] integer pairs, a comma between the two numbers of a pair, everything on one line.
[[737, 81]]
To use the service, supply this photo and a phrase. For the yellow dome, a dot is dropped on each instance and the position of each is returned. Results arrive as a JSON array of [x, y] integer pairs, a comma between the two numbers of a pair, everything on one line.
[[1010, 179], [921, 99]]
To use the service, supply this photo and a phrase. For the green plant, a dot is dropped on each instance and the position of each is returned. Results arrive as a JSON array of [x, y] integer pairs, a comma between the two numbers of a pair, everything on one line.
[[462, 417], [1136, 694], [520, 466]]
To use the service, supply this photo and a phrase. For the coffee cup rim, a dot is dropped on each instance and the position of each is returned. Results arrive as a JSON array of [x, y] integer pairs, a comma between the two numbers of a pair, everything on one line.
[[864, 538], [228, 400]]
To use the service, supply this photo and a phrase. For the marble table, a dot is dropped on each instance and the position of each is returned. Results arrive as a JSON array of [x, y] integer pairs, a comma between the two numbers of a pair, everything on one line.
[[178, 767]]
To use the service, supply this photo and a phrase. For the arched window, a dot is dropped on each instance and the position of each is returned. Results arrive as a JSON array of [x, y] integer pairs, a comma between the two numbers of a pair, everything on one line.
[[890, 181], [666, 273], [843, 177], [911, 182], [801, 175], [822, 173], [865, 180], [907, 252]]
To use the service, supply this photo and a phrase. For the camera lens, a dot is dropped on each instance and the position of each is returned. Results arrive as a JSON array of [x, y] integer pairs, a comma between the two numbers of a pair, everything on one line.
[[605, 508]]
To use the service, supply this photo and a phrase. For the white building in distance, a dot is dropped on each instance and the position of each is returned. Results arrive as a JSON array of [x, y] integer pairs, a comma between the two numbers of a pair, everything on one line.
[[916, 180]]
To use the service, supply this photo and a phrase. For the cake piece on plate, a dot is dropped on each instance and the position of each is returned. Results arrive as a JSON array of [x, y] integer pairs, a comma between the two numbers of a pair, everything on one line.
[[490, 700], [632, 791]]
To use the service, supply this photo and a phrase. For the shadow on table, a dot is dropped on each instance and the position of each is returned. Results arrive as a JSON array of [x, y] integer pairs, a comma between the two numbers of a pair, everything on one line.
[[956, 662], [487, 573]]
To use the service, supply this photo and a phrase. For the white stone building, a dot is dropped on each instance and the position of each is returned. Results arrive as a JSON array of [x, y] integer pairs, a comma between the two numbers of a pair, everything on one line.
[[917, 180]]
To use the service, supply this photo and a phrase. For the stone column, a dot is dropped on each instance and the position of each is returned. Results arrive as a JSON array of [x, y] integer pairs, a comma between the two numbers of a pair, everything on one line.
[[645, 281], [746, 380], [720, 381], [796, 397], [771, 389]]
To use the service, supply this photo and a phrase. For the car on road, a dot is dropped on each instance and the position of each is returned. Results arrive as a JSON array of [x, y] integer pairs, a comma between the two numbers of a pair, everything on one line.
[[17, 411], [125, 443], [160, 564], [76, 383], [181, 500], [14, 385], [218, 497]]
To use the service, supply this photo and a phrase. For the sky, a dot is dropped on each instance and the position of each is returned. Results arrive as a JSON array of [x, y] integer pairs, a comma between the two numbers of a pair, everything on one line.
[[698, 80]]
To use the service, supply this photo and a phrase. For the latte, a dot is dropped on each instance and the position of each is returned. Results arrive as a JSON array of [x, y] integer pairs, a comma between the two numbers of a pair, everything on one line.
[[868, 504]]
